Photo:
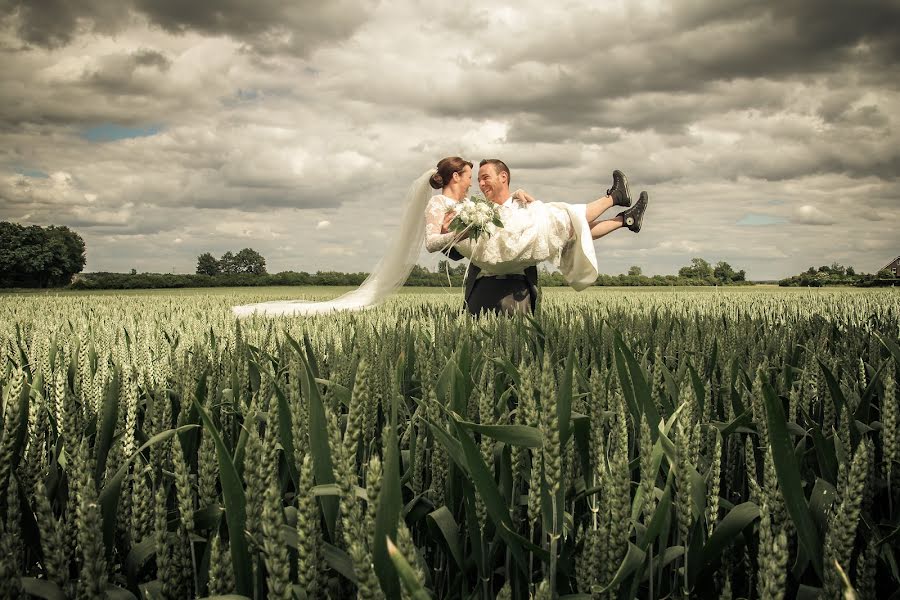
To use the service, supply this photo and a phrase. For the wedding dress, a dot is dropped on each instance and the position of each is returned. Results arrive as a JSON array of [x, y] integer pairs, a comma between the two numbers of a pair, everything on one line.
[[554, 232]]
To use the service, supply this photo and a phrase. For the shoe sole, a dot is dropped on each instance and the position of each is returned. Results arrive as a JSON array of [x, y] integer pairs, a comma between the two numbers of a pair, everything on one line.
[[625, 183], [645, 199]]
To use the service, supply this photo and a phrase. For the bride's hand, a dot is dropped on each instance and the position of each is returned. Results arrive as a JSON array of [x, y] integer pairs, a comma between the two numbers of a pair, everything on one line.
[[523, 196], [445, 226], [448, 218]]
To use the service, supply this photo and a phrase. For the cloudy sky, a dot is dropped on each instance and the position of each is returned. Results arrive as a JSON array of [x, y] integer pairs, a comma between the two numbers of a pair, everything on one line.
[[766, 133]]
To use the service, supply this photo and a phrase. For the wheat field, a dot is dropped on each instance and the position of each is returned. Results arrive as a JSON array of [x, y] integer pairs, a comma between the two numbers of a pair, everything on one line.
[[621, 444]]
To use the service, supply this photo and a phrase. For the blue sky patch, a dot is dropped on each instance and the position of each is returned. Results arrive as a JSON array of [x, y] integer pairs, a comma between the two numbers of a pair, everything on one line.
[[110, 132], [35, 173], [755, 220]]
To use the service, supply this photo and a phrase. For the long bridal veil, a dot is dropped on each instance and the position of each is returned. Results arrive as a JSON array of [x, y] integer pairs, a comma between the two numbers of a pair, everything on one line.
[[388, 275]]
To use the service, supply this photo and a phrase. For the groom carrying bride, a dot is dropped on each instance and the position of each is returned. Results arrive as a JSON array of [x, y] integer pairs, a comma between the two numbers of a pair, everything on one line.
[[502, 274], [489, 288], [485, 291]]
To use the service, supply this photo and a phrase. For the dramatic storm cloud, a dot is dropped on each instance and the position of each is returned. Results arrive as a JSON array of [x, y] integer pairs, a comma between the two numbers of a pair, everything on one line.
[[767, 133]]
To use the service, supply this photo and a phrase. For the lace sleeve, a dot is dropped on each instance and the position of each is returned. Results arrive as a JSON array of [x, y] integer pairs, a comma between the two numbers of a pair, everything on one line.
[[434, 220]]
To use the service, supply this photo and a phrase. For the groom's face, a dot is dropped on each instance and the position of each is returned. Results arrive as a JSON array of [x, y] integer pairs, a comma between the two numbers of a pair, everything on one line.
[[492, 184]]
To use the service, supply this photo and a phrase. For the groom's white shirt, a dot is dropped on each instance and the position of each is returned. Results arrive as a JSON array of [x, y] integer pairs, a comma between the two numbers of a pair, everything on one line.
[[513, 204]]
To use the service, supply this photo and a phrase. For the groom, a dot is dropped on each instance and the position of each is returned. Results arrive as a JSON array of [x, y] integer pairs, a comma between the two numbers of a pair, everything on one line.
[[485, 291]]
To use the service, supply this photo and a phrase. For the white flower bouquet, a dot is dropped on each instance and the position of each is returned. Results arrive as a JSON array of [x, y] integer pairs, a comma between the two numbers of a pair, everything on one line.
[[476, 216]]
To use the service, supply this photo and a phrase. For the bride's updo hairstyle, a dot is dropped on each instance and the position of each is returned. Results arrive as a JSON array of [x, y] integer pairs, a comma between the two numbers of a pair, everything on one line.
[[446, 167]]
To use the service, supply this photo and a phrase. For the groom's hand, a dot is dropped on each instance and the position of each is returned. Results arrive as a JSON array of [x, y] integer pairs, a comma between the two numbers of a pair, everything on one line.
[[523, 196]]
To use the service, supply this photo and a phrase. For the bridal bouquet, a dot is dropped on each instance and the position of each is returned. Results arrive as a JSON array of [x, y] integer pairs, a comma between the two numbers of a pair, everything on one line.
[[476, 216]]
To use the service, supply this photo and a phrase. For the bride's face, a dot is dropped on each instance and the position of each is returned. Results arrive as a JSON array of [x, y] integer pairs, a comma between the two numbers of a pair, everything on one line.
[[465, 179]]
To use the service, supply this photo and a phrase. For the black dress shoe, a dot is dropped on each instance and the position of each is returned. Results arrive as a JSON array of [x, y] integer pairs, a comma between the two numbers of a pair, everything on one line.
[[634, 216], [619, 190]]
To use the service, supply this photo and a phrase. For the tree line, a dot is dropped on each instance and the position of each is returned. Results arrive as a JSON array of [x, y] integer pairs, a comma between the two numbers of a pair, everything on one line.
[[699, 272], [720, 274], [837, 274], [35, 256], [135, 281], [247, 268], [39, 257], [247, 260]]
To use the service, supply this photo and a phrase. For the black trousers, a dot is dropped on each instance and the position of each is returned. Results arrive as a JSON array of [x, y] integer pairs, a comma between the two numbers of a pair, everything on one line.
[[503, 296]]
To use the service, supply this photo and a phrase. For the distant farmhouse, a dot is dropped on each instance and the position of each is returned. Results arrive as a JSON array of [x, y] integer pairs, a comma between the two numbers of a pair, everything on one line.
[[892, 267]]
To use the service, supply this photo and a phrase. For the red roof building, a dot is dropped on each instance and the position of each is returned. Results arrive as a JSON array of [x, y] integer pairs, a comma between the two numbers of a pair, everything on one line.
[[892, 267]]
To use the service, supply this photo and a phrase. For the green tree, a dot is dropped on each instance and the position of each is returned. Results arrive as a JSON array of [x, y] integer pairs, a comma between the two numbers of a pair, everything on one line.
[[635, 271], [228, 264], [67, 256], [37, 257], [444, 267], [207, 265], [419, 271], [249, 260], [723, 272], [698, 269]]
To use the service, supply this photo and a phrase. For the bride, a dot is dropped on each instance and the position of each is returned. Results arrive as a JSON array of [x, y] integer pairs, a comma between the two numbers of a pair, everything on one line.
[[532, 232]]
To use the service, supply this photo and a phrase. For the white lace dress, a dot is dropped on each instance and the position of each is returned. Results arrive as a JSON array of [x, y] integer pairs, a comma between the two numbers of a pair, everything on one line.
[[555, 232]]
